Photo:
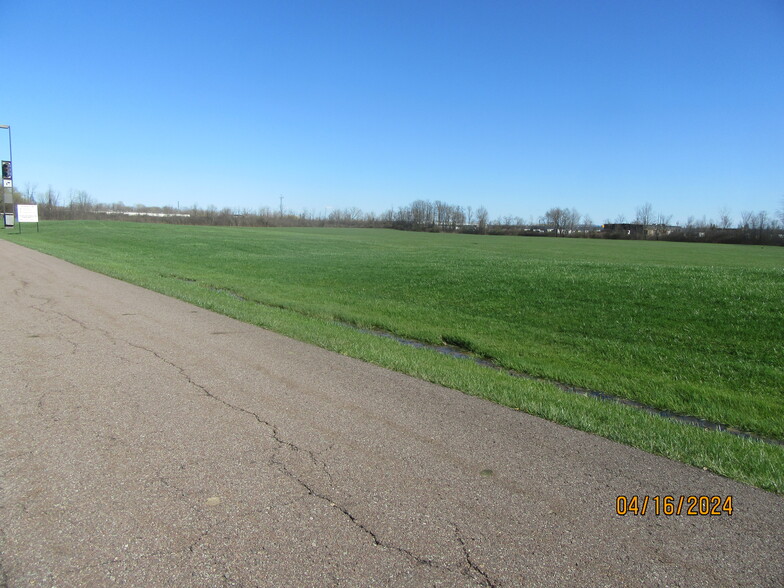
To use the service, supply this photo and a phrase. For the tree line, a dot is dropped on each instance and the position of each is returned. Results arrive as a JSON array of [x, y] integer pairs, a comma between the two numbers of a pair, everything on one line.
[[759, 227]]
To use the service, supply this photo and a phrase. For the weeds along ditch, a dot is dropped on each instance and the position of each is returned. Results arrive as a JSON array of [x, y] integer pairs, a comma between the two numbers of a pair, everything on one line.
[[685, 329]]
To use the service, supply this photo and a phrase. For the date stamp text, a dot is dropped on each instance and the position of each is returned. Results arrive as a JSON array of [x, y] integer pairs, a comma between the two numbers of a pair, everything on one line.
[[693, 506]]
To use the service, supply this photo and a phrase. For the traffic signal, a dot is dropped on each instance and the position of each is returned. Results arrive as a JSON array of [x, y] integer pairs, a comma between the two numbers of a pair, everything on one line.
[[7, 170]]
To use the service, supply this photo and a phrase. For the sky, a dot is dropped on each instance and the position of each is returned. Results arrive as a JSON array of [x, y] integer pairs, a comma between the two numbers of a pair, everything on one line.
[[517, 106]]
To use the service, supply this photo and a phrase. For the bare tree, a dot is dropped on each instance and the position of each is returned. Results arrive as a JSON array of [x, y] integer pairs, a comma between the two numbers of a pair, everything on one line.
[[442, 213], [556, 218], [52, 197], [80, 201], [571, 220], [644, 214], [30, 191], [725, 220], [403, 216], [458, 217], [481, 219], [663, 220], [759, 224], [422, 213]]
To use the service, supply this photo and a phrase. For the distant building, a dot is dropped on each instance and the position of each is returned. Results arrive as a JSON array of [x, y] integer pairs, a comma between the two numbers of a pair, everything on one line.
[[627, 229], [141, 213], [657, 231]]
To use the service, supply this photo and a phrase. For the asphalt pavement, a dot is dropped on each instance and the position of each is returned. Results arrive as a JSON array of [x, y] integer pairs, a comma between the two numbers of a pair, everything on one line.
[[148, 442]]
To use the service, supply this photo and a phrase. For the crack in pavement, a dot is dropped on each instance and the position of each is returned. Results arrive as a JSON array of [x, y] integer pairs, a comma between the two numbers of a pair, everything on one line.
[[163, 480], [82, 324], [472, 565], [198, 539], [273, 429], [277, 461], [284, 469], [376, 541]]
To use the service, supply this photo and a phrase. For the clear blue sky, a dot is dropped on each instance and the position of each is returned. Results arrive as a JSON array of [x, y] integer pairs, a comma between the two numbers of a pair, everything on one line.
[[515, 105]]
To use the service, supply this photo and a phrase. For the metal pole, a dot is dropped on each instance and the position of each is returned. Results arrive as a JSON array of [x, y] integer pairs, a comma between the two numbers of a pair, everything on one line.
[[11, 160]]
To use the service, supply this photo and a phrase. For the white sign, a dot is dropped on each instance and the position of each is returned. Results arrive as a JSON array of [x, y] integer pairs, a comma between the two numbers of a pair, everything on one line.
[[27, 213], [8, 184]]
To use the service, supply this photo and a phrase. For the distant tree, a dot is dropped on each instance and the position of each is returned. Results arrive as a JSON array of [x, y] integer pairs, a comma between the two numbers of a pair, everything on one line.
[[421, 213], [404, 217], [760, 223], [571, 220], [587, 224], [644, 214], [725, 220], [481, 219], [458, 217], [80, 202], [387, 216], [50, 204], [556, 218], [442, 213], [51, 198], [663, 220], [354, 214], [30, 191]]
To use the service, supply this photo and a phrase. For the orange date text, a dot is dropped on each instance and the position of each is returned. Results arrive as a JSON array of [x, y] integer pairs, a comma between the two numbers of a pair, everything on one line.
[[668, 505]]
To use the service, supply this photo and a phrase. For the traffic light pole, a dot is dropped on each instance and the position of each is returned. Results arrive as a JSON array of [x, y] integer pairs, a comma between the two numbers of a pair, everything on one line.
[[8, 181]]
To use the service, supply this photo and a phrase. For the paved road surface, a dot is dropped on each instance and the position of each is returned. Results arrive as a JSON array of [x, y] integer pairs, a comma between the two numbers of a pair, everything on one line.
[[147, 442]]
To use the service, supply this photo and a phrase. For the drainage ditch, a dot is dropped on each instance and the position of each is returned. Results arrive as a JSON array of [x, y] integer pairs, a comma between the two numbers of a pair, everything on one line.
[[461, 353]]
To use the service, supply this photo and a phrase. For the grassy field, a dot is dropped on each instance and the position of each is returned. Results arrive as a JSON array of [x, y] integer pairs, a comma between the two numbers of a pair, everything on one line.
[[691, 328]]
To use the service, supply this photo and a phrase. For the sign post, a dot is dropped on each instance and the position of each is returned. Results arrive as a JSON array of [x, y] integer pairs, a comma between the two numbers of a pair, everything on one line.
[[27, 213]]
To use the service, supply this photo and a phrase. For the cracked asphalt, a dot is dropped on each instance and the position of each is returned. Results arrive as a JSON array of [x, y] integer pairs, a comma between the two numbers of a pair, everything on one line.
[[147, 442]]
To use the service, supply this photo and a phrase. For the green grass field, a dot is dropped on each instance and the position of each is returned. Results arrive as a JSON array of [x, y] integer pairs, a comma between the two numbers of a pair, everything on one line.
[[691, 328]]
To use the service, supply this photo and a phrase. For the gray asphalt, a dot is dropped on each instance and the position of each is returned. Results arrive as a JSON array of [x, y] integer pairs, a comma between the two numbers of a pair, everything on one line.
[[148, 442]]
